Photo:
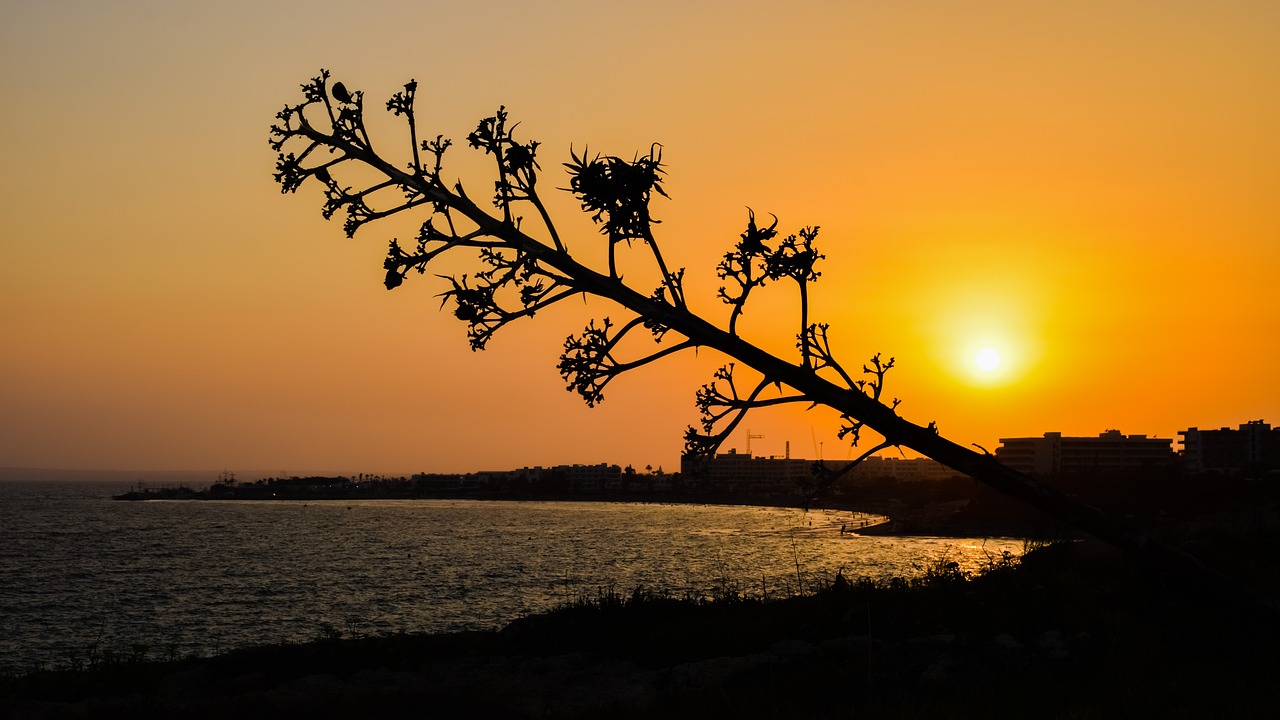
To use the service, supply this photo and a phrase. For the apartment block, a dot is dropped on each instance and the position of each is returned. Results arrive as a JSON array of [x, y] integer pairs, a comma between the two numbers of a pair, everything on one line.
[[1054, 454], [1252, 446]]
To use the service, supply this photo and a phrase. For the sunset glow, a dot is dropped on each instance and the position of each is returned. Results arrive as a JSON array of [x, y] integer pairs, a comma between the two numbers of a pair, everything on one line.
[[1054, 217], [987, 360]]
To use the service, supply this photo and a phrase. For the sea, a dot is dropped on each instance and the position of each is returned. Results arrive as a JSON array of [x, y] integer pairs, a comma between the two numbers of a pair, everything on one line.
[[84, 577]]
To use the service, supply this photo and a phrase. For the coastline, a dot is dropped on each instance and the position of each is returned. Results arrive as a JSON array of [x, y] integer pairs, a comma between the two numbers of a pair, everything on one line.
[[1047, 634], [1043, 637], [888, 518]]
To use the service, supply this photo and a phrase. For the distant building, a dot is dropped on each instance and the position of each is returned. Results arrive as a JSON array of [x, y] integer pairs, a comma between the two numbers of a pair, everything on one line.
[[893, 468], [1254, 446], [741, 472], [591, 479], [1054, 454]]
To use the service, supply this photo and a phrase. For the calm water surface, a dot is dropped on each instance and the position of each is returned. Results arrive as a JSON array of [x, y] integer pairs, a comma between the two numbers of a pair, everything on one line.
[[79, 569]]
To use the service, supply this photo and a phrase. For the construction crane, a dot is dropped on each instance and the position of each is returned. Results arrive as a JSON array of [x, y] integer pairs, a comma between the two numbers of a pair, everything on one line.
[[749, 437]]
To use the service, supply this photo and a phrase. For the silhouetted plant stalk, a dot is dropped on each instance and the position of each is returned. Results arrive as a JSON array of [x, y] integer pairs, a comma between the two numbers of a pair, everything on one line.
[[520, 274]]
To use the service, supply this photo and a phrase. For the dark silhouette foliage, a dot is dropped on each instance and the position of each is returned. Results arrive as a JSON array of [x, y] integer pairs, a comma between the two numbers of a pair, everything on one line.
[[519, 274]]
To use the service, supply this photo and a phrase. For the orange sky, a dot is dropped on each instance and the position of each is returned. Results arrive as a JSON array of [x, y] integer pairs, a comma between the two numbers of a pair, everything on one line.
[[1090, 188]]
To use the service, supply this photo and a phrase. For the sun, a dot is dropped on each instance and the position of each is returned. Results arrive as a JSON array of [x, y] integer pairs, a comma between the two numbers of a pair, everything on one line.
[[987, 360]]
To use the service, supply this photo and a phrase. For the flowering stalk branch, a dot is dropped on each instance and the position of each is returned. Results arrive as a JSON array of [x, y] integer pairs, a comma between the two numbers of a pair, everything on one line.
[[522, 274]]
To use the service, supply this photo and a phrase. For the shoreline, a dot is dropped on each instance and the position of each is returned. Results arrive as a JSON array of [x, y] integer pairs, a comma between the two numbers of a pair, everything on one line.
[[1048, 634], [929, 520], [1042, 634]]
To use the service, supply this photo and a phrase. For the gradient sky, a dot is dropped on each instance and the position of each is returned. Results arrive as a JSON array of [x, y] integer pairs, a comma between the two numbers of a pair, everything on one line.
[[1089, 188]]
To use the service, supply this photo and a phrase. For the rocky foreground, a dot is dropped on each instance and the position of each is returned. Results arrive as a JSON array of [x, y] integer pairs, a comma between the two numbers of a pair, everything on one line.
[[1073, 631]]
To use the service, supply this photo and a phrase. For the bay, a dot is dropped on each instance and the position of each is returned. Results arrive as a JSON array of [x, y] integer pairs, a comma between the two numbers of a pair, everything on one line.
[[81, 573]]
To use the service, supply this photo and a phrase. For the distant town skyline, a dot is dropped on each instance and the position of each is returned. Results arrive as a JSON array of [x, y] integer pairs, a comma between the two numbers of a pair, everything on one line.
[[1208, 449], [1054, 217]]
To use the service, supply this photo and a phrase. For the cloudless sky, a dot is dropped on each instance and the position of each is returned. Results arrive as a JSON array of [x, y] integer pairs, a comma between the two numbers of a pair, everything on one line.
[[1089, 189]]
